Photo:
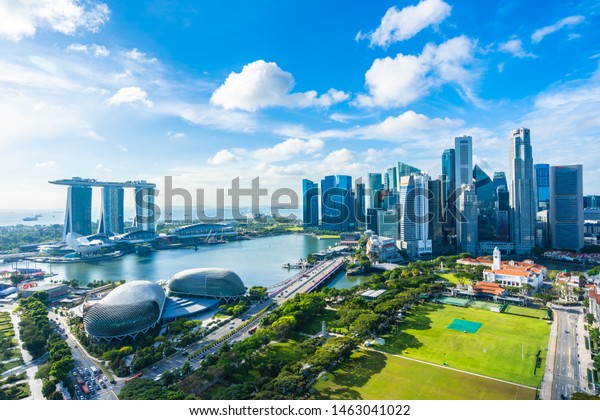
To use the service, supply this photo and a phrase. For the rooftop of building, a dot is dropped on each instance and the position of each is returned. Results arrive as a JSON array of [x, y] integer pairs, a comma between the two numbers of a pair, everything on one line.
[[89, 182], [488, 288]]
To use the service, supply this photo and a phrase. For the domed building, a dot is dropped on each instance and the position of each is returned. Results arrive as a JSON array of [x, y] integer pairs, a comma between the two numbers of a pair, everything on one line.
[[215, 283], [126, 311]]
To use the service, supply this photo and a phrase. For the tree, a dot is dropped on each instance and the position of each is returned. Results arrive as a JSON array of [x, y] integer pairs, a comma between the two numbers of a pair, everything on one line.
[[48, 388], [186, 368], [60, 370], [284, 325], [15, 279], [257, 293], [589, 318], [365, 325]]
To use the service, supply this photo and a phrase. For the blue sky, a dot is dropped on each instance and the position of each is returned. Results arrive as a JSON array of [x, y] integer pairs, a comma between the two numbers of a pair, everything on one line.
[[207, 91]]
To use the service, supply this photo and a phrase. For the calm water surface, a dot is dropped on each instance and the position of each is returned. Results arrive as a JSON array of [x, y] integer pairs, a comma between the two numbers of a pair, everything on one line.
[[257, 261]]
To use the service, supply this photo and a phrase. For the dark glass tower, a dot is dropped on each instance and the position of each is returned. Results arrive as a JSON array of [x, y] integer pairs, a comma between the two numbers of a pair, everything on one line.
[[310, 204]]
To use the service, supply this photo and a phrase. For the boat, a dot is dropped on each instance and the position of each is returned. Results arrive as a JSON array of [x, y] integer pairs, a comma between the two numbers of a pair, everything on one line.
[[39, 215], [30, 219]]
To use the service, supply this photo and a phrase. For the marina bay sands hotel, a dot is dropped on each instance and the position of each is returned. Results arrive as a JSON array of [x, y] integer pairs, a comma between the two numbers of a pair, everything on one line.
[[78, 214]]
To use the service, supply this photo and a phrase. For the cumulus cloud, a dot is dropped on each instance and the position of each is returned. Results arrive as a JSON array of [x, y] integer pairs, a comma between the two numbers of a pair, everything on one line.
[[139, 56], [22, 18], [93, 49], [401, 80], [288, 149], [221, 157], [261, 84], [399, 25], [569, 21], [514, 47], [175, 136], [130, 95]]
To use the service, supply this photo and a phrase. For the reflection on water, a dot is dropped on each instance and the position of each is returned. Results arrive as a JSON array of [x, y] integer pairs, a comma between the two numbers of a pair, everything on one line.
[[257, 262]]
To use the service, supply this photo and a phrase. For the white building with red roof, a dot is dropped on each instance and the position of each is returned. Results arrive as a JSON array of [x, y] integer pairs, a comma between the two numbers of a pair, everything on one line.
[[515, 273]]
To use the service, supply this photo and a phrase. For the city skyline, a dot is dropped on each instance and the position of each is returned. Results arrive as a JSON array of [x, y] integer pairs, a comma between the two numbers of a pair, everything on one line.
[[110, 91]]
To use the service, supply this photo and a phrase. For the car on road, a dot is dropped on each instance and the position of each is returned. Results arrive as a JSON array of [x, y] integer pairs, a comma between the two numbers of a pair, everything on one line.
[[104, 378], [97, 387]]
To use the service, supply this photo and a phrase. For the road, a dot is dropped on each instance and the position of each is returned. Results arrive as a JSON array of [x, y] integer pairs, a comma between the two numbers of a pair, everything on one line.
[[297, 284], [83, 360], [566, 363]]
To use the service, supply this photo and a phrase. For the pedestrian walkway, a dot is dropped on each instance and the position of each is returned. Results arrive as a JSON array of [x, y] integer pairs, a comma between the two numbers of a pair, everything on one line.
[[546, 386], [584, 355]]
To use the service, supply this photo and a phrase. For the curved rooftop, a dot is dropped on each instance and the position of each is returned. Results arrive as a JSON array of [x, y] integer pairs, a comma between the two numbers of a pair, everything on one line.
[[129, 309], [207, 282]]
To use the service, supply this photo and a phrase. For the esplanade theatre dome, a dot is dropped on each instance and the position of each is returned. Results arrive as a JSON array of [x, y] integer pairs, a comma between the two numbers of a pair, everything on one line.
[[215, 283], [127, 310]]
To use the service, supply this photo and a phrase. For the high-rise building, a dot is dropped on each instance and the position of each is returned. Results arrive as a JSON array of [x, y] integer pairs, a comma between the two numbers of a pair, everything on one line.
[[500, 181], [436, 217], [414, 214], [337, 203], [566, 207], [387, 224], [463, 174], [486, 205], [521, 185], [449, 187], [111, 215], [466, 233], [78, 214], [591, 201], [360, 209], [463, 151], [374, 186], [542, 185], [310, 204], [404, 169], [391, 179], [145, 216], [502, 214]]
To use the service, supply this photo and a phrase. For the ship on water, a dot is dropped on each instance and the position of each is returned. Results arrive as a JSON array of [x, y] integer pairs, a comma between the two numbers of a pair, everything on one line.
[[30, 218]]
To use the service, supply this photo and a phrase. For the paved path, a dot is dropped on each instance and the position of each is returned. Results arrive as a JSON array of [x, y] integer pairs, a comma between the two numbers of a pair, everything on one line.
[[585, 355], [566, 362], [449, 368], [546, 387]]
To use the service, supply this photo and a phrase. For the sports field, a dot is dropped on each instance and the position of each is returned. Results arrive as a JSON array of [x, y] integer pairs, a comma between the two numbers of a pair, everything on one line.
[[505, 346], [376, 376]]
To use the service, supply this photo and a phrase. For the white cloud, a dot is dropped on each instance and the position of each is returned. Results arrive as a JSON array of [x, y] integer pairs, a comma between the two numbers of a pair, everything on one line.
[[22, 18], [569, 21], [129, 95], [514, 47], [122, 148], [140, 57], [93, 135], [223, 156], [175, 136], [401, 80], [261, 84], [46, 164], [288, 149], [94, 49], [399, 25]]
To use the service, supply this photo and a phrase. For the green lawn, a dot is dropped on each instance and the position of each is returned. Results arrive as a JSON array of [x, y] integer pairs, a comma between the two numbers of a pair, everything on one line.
[[295, 229], [452, 278], [519, 310], [376, 376], [505, 346], [329, 237]]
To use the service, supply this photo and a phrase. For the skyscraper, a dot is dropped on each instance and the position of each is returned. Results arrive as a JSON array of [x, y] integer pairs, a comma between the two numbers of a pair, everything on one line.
[[522, 195], [404, 169], [436, 208], [566, 207], [360, 209], [463, 151], [391, 179], [486, 205], [111, 216], [145, 216], [466, 234], [374, 186], [78, 214], [414, 214], [387, 224], [310, 204], [542, 185], [449, 186], [337, 203]]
